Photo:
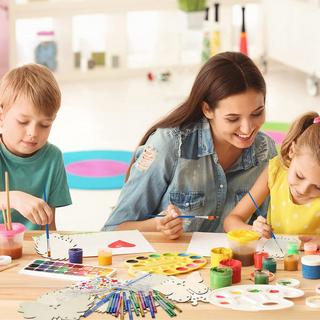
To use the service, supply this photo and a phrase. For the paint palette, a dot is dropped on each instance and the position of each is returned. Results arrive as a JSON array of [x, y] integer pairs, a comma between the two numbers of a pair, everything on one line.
[[168, 263], [254, 297], [65, 270]]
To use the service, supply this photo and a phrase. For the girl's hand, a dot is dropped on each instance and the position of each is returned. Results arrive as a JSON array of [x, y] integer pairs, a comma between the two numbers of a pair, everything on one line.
[[261, 225], [170, 226], [34, 209], [309, 238]]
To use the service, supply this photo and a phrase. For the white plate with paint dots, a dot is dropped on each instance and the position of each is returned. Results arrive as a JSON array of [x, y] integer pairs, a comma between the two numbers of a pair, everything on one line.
[[289, 282], [254, 297]]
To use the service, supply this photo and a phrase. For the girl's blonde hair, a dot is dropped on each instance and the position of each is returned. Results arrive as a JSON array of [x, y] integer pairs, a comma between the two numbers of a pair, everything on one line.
[[304, 133], [33, 82]]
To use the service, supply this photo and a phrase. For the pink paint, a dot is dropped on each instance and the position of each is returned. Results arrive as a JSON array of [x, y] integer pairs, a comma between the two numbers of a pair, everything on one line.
[[220, 297], [191, 265], [277, 136], [121, 244], [274, 291], [97, 168]]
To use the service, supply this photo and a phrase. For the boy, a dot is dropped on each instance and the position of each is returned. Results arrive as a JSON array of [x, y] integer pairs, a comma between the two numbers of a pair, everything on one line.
[[29, 101]]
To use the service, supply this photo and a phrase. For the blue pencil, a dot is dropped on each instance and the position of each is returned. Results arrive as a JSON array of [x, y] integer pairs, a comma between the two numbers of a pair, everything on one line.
[[260, 214], [47, 227]]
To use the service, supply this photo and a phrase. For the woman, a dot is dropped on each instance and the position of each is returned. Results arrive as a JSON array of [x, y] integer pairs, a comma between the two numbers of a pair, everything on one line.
[[203, 157]]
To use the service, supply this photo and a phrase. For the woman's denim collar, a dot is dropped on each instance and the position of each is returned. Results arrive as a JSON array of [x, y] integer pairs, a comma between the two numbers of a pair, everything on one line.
[[206, 147]]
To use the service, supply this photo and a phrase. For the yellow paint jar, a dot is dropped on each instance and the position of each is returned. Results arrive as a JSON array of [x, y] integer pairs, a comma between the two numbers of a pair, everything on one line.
[[104, 257], [218, 254]]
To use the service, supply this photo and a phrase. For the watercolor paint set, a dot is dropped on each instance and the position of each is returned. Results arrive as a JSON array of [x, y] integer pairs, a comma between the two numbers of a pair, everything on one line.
[[65, 270]]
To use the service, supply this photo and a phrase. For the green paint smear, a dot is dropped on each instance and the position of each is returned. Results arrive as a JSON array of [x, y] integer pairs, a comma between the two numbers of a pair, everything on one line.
[[254, 290]]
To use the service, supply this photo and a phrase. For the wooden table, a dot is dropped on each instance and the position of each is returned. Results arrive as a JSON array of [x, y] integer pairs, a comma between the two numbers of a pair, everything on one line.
[[15, 288]]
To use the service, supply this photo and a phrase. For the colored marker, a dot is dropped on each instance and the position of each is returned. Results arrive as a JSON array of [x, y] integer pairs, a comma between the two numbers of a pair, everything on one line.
[[152, 302], [134, 303], [128, 306], [148, 300], [165, 307], [185, 217], [140, 305], [142, 300], [119, 305], [164, 298]]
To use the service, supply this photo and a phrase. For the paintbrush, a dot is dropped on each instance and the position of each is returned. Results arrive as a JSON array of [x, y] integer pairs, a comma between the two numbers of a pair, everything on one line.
[[185, 217], [9, 224], [260, 214], [47, 228]]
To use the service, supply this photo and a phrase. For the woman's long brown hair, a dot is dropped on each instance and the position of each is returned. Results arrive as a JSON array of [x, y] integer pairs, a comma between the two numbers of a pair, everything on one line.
[[223, 75]]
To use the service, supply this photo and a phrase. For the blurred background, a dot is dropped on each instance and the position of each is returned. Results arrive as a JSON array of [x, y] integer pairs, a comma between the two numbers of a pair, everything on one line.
[[123, 64]]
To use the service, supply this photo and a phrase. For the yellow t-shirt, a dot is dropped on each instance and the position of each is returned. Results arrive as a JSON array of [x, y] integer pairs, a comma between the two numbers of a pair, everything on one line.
[[284, 215]]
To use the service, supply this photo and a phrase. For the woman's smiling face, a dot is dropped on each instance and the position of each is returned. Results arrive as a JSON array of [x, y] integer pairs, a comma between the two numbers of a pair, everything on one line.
[[237, 119]]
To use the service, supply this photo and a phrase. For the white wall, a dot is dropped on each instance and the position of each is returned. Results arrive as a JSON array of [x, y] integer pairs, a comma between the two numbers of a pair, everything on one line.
[[4, 37], [293, 33]]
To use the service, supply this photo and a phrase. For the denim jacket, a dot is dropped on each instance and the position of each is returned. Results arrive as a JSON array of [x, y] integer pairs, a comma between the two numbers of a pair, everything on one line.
[[181, 167]]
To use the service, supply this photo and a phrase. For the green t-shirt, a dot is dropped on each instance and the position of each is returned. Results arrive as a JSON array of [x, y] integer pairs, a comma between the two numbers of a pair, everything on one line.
[[42, 171]]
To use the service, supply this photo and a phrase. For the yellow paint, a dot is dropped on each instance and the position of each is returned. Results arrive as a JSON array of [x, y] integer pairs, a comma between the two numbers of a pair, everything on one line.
[[104, 257]]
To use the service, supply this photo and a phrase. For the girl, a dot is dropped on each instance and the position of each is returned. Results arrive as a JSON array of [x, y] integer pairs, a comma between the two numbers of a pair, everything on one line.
[[293, 182], [201, 158]]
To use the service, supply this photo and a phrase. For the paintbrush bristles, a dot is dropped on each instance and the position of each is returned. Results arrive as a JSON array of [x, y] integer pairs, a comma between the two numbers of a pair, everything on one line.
[[6, 176]]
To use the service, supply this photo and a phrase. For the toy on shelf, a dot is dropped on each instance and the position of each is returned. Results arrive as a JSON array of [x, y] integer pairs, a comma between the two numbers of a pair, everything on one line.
[[46, 50], [243, 34]]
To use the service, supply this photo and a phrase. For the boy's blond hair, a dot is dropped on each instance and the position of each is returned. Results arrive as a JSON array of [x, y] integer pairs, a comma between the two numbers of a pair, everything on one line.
[[33, 82]]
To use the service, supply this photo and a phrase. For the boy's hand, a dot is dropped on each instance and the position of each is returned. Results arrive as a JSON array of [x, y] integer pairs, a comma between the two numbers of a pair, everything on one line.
[[170, 226], [34, 209], [261, 225]]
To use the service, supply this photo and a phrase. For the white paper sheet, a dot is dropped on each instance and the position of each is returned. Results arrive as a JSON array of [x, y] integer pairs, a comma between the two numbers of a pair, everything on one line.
[[202, 242], [119, 242]]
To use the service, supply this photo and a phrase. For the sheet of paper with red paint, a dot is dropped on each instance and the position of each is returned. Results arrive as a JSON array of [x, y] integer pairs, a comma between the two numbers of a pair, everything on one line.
[[119, 242]]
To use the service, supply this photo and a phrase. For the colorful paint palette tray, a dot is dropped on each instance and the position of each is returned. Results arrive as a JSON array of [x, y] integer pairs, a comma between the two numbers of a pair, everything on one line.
[[168, 263], [65, 270], [254, 297]]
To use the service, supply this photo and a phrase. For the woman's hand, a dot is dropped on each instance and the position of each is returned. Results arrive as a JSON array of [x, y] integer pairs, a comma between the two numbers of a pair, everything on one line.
[[171, 226], [260, 225]]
